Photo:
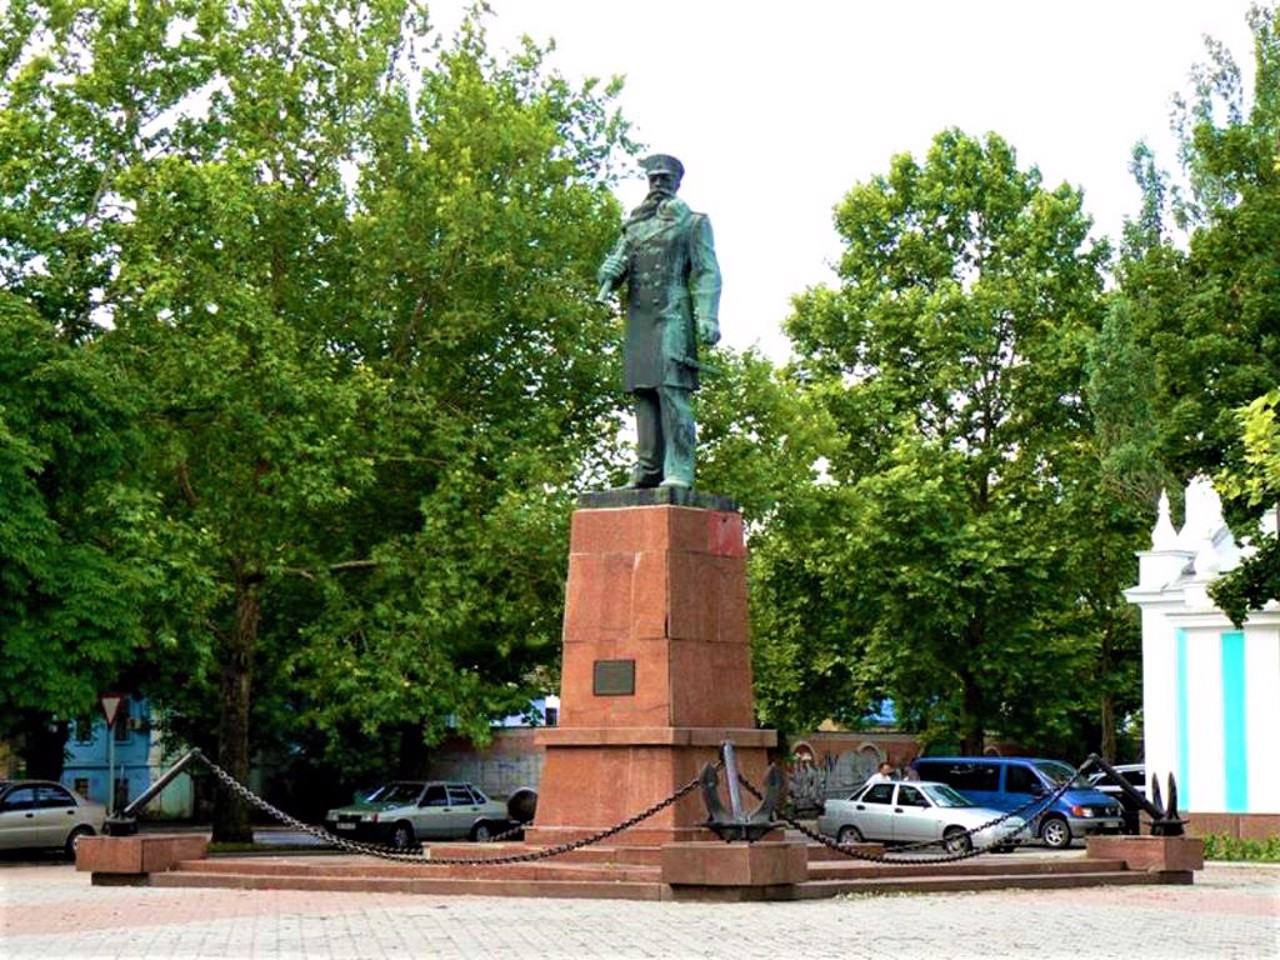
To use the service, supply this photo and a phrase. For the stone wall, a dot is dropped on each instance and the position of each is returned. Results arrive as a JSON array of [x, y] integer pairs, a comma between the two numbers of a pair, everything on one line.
[[510, 762], [1238, 826]]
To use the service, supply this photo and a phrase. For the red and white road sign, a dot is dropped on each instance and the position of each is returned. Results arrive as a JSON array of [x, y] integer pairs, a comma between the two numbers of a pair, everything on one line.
[[110, 704]]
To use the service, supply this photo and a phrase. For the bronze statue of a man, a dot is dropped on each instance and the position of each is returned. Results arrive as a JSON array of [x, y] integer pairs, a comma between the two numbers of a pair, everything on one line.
[[667, 257]]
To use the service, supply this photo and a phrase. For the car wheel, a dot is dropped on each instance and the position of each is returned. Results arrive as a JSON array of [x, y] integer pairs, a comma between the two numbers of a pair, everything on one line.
[[955, 840], [481, 832], [849, 834], [1055, 833], [402, 835], [73, 839]]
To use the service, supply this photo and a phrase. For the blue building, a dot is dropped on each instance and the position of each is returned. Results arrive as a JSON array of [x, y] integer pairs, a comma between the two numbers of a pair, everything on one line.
[[91, 744]]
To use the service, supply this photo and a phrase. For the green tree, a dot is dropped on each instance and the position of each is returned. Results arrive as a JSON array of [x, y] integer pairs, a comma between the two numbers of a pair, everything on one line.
[[79, 85], [1254, 486], [1207, 312], [766, 440], [69, 582], [352, 302], [1202, 273], [952, 359], [1113, 501]]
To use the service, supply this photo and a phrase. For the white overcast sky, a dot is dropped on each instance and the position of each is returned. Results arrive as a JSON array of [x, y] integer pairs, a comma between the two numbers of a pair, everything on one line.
[[777, 109]]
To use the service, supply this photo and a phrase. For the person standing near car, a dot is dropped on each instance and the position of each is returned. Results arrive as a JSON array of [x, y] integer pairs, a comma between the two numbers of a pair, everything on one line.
[[883, 775]]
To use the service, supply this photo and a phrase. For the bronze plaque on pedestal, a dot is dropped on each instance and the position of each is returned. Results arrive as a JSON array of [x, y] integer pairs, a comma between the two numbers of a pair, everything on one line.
[[614, 678]]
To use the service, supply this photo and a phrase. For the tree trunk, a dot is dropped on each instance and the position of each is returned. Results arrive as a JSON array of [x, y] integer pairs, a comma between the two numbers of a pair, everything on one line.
[[230, 812], [973, 709], [1108, 705], [972, 720], [42, 745], [1108, 745]]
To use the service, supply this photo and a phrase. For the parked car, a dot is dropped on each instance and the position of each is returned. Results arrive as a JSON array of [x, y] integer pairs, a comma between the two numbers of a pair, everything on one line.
[[1135, 774], [1012, 783], [37, 814], [403, 812], [917, 812]]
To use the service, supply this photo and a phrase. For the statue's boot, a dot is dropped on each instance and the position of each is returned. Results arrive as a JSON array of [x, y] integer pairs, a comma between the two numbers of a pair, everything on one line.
[[642, 481]]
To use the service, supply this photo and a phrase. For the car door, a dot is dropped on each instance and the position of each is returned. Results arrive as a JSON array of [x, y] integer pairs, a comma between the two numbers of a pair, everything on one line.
[[464, 809], [873, 812], [433, 813], [911, 820], [56, 813], [18, 826]]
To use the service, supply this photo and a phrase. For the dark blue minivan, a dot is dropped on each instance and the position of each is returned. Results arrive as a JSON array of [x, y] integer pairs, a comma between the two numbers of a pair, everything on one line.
[[1012, 783]]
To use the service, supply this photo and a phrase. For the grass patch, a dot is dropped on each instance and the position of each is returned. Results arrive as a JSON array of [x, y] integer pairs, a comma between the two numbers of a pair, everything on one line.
[[1218, 846]]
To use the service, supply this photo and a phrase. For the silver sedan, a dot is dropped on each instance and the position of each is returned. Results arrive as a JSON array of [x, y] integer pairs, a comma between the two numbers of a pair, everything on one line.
[[41, 813], [918, 812]]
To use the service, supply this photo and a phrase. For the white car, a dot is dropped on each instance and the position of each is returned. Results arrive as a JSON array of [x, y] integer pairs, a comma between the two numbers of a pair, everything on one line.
[[41, 814], [1135, 774], [918, 812]]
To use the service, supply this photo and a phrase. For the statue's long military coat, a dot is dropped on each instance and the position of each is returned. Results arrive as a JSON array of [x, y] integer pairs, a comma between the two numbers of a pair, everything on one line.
[[673, 282]]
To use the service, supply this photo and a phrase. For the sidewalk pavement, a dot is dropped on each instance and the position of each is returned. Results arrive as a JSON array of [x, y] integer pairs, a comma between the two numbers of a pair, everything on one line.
[[49, 911]]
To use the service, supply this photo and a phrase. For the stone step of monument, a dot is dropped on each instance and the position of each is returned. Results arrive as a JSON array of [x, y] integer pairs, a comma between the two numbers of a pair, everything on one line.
[[924, 883], [983, 865], [358, 868], [818, 852], [440, 885], [605, 878], [596, 853], [549, 880]]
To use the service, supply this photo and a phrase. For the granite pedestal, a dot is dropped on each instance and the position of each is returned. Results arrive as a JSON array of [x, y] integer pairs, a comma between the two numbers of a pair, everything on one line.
[[656, 669]]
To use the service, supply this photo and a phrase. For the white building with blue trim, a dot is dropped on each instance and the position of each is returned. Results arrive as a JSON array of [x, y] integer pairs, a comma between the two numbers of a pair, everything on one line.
[[1211, 691]]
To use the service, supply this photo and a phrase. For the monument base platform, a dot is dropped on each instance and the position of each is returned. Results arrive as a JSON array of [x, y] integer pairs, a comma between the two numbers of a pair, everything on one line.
[[656, 672], [760, 864], [1175, 855]]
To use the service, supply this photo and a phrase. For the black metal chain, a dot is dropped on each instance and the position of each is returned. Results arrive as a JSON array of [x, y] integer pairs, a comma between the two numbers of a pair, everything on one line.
[[1029, 811], [1036, 804], [390, 853]]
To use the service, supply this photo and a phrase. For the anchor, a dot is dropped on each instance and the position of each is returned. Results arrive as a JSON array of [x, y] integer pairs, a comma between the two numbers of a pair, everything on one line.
[[734, 824], [1167, 824], [1164, 817]]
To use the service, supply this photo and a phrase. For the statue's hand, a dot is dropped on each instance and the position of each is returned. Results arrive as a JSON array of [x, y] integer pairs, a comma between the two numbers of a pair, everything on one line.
[[709, 332], [612, 268]]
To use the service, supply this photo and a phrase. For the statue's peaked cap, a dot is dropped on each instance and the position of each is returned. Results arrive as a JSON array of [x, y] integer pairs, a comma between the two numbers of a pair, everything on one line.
[[662, 163]]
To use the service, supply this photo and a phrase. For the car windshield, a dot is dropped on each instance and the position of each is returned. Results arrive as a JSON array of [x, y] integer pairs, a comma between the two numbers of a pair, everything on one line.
[[395, 793], [944, 796], [1060, 773]]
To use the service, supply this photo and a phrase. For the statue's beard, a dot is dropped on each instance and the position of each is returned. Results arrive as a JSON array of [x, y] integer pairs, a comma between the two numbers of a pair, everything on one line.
[[650, 205]]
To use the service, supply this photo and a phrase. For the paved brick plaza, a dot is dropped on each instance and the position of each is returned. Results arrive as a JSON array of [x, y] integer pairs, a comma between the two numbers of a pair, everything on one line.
[[50, 911]]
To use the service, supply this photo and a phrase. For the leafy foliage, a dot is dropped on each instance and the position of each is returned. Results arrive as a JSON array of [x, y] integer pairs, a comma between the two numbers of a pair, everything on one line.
[[767, 441], [952, 357], [1207, 315], [349, 299], [69, 580]]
